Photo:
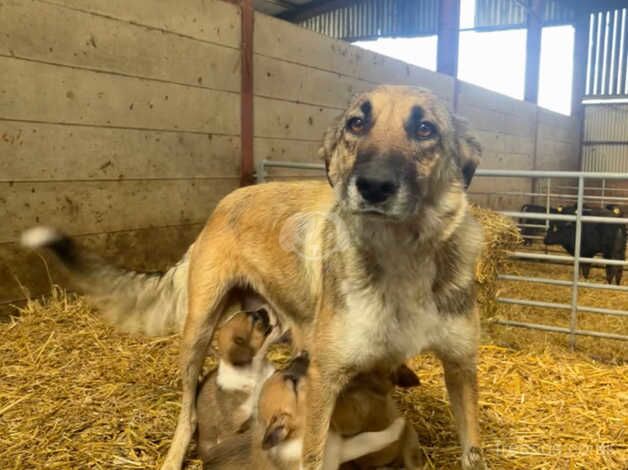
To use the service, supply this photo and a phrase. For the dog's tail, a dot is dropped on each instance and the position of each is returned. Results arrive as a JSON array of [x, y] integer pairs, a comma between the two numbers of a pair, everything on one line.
[[148, 303]]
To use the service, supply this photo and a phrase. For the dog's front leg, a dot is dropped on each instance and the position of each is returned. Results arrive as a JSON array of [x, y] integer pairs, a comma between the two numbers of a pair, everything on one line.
[[325, 382], [461, 381]]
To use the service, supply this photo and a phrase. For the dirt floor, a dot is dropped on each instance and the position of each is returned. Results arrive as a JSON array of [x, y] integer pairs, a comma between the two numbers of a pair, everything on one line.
[[76, 394]]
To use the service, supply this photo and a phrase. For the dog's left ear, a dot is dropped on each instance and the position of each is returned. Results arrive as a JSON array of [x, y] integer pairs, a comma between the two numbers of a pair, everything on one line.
[[405, 377], [468, 149]]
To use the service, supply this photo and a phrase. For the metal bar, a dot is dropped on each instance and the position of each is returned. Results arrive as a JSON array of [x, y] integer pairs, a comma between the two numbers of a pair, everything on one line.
[[559, 282], [495, 173], [573, 321], [294, 165], [603, 311], [570, 259], [551, 174], [565, 218], [602, 192], [548, 199], [554, 195], [533, 303], [558, 329], [562, 306], [531, 225]]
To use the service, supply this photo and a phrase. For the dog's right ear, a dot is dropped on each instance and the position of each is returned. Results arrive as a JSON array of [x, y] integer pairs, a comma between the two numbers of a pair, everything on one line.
[[276, 432], [330, 141], [405, 377]]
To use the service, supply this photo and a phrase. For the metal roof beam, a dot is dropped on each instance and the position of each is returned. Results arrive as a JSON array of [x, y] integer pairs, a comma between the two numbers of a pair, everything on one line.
[[314, 8]]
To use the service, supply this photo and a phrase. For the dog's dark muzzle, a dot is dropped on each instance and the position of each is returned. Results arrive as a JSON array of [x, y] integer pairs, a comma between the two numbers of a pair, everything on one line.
[[377, 179]]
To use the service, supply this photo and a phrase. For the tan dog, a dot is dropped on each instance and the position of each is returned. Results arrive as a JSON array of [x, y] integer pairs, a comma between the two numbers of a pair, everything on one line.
[[228, 394], [276, 437], [370, 271]]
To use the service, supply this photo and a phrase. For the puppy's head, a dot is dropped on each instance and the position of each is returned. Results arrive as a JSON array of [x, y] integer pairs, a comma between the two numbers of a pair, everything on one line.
[[243, 335], [394, 149], [280, 409]]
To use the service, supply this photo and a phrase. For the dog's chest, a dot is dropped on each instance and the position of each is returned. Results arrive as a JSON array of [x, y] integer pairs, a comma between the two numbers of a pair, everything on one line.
[[394, 316]]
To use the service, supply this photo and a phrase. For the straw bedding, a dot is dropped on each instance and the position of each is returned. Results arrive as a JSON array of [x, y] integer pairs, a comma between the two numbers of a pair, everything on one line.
[[75, 393]]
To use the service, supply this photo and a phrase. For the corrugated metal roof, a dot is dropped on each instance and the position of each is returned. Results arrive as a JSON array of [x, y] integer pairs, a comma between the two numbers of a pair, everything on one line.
[[378, 18], [510, 13]]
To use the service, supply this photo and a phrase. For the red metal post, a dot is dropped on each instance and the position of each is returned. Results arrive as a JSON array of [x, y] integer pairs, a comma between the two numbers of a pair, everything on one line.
[[246, 93]]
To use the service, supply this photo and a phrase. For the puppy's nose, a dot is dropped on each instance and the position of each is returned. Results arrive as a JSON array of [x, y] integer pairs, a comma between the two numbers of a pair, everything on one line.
[[375, 190]]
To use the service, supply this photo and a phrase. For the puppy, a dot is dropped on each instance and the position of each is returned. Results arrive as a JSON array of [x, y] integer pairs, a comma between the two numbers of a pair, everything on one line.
[[276, 438], [367, 404], [227, 395]]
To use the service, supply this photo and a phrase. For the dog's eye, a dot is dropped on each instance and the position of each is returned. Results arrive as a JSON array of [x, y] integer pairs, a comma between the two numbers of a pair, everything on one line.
[[356, 125], [425, 130]]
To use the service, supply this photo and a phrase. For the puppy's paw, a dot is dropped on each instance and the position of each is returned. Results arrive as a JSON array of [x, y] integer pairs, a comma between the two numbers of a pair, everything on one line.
[[473, 459]]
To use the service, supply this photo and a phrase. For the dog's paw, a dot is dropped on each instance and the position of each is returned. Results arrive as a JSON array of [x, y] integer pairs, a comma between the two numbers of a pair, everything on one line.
[[473, 459]]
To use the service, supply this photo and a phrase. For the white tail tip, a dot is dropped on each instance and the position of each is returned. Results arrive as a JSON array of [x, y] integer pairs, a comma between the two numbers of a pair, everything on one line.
[[37, 237]]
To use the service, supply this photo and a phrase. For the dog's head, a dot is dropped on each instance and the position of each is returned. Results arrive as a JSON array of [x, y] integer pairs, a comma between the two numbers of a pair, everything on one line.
[[243, 335], [395, 149], [282, 401]]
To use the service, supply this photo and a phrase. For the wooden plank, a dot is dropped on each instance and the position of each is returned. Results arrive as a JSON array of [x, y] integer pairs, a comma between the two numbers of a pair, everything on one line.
[[283, 119], [206, 20], [285, 41], [92, 207], [48, 93], [54, 151], [149, 249], [275, 78], [53, 34]]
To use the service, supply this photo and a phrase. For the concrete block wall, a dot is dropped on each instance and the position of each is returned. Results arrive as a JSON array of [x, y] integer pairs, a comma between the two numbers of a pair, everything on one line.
[[119, 123]]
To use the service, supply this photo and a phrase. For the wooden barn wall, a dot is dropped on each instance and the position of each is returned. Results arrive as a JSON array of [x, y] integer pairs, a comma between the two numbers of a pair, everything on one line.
[[303, 80], [120, 120], [119, 123]]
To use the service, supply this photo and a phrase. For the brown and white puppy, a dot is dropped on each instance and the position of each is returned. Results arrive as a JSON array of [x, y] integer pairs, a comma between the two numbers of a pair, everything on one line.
[[372, 268], [276, 436], [228, 394], [367, 404]]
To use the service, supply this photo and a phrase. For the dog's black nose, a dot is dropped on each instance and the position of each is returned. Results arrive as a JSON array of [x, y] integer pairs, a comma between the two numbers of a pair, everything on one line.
[[375, 190]]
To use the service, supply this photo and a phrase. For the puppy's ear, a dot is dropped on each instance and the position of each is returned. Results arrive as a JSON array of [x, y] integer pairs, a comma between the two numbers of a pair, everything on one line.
[[405, 377], [468, 149], [276, 432]]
